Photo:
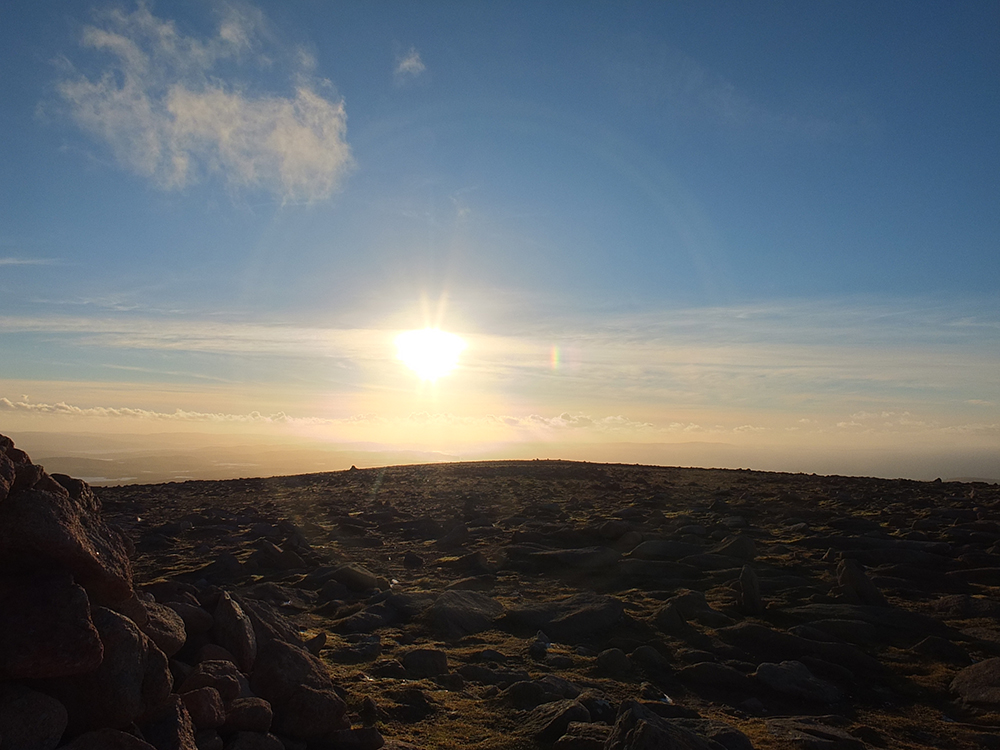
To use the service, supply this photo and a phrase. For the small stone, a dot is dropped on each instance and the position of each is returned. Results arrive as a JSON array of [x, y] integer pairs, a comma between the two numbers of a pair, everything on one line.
[[425, 662], [614, 663]]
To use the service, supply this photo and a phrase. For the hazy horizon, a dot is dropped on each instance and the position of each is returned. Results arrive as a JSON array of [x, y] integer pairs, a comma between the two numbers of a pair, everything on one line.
[[755, 235], [165, 457]]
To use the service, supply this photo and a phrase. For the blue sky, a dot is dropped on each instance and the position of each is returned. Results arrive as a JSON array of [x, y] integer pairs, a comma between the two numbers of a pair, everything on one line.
[[768, 225]]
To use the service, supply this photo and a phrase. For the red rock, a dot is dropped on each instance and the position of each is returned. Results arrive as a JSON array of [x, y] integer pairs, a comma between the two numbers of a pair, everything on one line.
[[132, 678], [30, 720], [205, 706], [46, 626], [43, 524], [234, 632]]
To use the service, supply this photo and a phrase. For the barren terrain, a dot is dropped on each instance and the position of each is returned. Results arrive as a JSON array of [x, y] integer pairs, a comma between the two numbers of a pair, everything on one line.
[[631, 543]]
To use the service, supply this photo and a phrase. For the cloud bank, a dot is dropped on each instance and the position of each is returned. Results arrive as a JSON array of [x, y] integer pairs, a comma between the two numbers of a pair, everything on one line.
[[163, 107]]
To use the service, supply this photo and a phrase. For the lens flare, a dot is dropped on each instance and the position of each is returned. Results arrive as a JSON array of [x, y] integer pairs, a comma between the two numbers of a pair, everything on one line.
[[429, 352]]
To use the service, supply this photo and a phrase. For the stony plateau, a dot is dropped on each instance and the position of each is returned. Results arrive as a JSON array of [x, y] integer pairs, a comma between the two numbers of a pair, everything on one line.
[[531, 604]]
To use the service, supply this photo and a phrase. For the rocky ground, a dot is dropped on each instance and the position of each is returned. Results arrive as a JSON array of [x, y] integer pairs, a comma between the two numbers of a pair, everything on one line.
[[529, 604], [525, 604]]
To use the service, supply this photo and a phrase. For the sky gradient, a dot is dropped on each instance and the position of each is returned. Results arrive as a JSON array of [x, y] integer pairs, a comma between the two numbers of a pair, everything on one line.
[[686, 233]]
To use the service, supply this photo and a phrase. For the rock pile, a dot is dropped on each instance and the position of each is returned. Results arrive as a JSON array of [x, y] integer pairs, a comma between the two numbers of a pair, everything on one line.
[[90, 662]]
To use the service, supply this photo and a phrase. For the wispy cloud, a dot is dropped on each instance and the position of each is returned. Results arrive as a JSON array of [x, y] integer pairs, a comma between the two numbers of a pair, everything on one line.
[[533, 422], [166, 111], [409, 65], [10, 261]]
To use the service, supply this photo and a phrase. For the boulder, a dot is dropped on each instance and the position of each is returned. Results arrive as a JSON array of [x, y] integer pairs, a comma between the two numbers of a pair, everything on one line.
[[794, 679], [233, 631], [47, 628], [748, 597], [739, 546], [425, 662], [857, 586], [979, 684], [638, 728], [205, 707], [108, 739], [577, 617], [300, 691], [30, 720], [254, 741], [248, 715], [222, 676], [132, 679], [458, 613], [549, 721], [44, 525], [169, 726], [164, 627]]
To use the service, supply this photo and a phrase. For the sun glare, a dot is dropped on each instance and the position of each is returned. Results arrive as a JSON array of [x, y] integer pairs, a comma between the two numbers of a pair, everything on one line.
[[429, 352]]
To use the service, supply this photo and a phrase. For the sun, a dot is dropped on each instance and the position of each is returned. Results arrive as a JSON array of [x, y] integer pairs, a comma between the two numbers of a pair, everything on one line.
[[429, 352]]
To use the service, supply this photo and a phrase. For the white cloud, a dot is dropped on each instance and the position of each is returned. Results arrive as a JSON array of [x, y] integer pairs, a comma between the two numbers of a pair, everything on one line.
[[410, 65], [165, 112]]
